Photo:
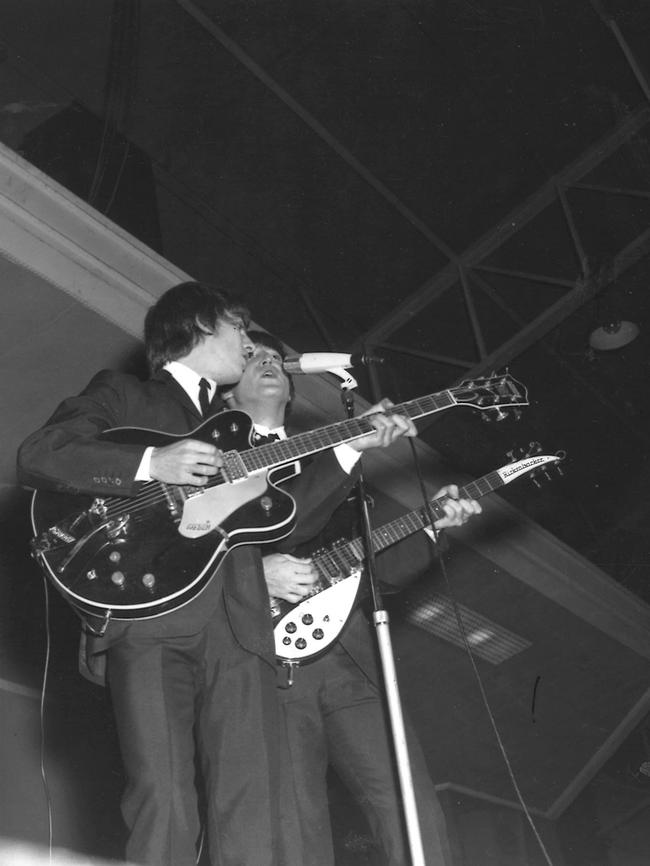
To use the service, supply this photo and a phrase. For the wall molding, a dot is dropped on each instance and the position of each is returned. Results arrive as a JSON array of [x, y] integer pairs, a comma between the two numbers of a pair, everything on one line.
[[51, 232]]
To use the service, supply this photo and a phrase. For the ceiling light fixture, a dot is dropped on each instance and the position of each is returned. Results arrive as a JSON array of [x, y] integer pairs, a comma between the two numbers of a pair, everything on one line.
[[613, 335]]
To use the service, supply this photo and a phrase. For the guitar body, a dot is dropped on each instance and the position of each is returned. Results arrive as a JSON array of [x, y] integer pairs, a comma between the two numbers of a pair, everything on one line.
[[143, 556], [305, 630]]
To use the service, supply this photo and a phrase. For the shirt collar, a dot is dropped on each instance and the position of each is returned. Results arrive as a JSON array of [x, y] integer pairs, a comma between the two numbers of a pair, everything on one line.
[[189, 380]]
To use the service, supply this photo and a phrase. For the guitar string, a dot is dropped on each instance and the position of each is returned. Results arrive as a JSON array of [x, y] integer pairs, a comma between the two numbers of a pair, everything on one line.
[[256, 458], [290, 449], [116, 505], [350, 553], [312, 441]]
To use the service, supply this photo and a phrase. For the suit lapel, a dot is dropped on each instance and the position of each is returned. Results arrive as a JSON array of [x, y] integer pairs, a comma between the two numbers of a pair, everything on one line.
[[180, 394]]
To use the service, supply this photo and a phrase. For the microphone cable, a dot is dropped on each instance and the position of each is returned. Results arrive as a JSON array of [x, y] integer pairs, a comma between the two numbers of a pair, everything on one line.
[[461, 630], [46, 670], [472, 660]]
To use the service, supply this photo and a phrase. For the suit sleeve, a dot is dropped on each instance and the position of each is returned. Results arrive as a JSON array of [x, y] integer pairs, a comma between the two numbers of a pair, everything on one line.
[[66, 455]]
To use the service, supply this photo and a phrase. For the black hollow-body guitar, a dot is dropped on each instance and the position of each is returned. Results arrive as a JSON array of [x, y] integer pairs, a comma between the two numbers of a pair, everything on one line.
[[143, 556], [305, 630]]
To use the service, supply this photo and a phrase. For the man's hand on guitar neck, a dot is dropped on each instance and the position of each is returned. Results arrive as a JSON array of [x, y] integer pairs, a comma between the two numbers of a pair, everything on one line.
[[457, 511], [388, 427], [189, 461]]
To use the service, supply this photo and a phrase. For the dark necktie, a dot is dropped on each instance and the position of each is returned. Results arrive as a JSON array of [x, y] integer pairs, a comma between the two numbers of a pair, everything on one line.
[[204, 397], [264, 439]]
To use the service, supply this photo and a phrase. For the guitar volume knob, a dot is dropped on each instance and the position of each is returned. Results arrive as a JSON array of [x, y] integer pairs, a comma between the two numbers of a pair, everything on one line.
[[118, 579], [267, 504], [149, 580]]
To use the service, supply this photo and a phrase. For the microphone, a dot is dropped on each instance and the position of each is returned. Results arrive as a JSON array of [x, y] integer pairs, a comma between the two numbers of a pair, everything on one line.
[[325, 362]]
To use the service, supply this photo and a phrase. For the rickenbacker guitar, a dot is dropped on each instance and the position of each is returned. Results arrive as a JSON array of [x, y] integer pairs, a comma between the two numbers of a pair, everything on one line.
[[305, 630], [142, 556]]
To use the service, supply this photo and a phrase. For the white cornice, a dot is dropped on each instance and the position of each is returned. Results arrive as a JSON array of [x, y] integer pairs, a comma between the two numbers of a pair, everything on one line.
[[51, 232]]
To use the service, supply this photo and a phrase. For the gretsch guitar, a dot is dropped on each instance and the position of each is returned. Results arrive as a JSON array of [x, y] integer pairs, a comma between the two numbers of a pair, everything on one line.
[[305, 630], [143, 556]]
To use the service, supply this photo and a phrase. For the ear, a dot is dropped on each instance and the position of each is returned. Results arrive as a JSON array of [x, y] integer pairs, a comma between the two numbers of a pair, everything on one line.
[[203, 328]]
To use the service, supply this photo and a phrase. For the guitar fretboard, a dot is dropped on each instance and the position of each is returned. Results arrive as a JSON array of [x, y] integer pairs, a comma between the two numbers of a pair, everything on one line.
[[311, 442], [342, 558]]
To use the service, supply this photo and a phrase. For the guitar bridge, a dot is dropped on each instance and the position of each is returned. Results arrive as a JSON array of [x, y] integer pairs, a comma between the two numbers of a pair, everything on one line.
[[233, 466]]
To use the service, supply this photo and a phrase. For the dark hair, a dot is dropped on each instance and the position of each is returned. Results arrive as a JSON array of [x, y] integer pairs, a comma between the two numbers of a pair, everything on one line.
[[182, 316], [262, 338]]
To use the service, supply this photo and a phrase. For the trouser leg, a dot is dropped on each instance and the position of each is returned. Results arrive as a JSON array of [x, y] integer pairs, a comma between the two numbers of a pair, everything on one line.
[[306, 774], [361, 750], [166, 692], [238, 732], [152, 691]]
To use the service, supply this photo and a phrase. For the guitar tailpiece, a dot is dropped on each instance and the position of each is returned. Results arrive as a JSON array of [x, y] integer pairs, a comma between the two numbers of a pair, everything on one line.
[[290, 666]]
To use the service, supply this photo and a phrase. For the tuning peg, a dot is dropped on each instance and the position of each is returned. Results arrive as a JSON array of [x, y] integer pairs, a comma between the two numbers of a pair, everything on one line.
[[511, 455], [494, 414]]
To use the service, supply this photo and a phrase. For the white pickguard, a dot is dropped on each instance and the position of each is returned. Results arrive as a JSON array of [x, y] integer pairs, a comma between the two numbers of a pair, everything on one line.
[[311, 626], [205, 511]]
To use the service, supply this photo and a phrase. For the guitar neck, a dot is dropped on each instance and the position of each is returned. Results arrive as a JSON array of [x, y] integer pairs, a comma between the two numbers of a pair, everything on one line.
[[349, 554], [311, 442], [484, 394], [402, 527]]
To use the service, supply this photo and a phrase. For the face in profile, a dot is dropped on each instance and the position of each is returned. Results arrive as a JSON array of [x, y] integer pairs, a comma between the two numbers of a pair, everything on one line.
[[227, 350]]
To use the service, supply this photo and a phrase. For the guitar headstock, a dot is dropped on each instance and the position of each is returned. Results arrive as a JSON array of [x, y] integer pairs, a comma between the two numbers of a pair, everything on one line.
[[492, 394], [548, 467]]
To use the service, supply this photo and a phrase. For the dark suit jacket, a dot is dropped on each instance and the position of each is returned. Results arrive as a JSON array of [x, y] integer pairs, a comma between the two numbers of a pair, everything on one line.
[[66, 455]]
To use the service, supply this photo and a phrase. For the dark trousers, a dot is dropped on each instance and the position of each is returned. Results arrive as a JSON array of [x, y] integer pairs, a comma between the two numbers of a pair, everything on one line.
[[203, 695], [335, 714]]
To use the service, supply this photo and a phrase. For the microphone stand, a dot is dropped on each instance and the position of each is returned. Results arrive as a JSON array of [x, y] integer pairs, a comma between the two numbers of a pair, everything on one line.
[[381, 622]]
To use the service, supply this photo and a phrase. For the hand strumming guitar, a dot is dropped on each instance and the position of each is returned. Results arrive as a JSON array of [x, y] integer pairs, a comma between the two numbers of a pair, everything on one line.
[[187, 462]]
